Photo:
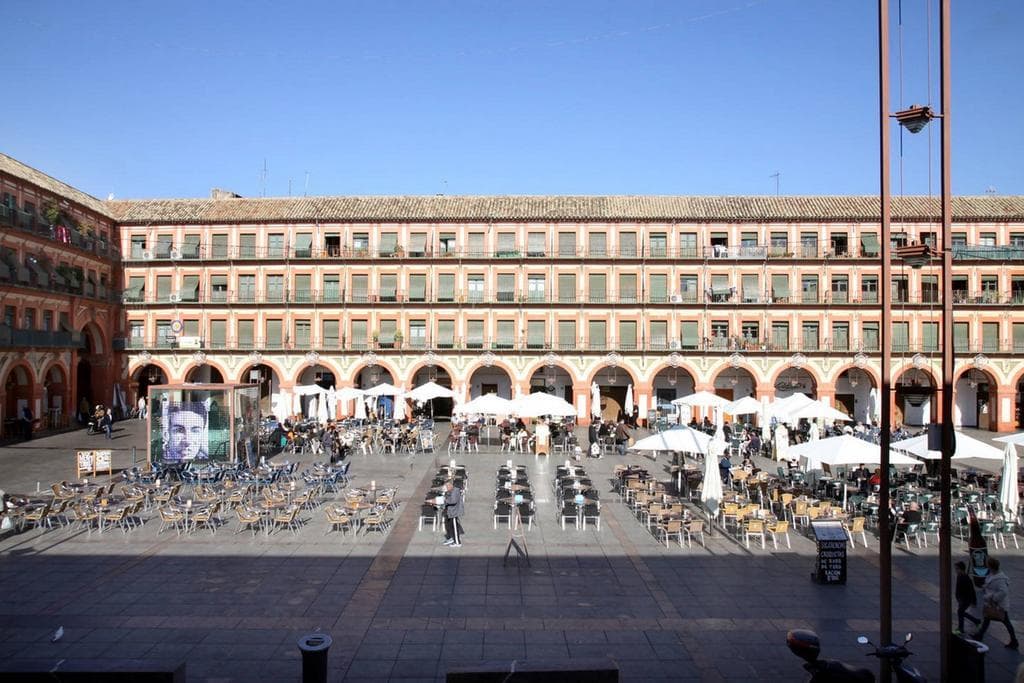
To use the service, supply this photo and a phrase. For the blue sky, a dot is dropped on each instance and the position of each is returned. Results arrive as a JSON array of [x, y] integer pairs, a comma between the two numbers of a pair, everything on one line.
[[146, 99]]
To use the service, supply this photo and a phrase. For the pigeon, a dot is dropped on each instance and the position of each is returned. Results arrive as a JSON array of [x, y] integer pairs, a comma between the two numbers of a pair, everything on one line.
[[57, 635]]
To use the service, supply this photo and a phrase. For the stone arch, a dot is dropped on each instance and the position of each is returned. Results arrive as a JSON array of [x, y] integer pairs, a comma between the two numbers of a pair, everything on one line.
[[746, 381], [19, 384], [490, 368], [387, 367], [243, 370], [95, 337], [419, 365], [857, 392], [193, 366], [56, 381], [541, 364], [613, 393], [976, 398], [663, 365], [915, 395], [816, 377], [869, 370], [497, 363], [327, 365]]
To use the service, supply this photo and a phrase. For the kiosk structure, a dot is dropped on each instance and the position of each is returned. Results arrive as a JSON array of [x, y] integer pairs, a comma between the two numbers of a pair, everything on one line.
[[203, 424]]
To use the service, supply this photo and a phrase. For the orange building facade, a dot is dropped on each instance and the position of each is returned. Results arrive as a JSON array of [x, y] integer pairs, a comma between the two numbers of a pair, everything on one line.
[[757, 296]]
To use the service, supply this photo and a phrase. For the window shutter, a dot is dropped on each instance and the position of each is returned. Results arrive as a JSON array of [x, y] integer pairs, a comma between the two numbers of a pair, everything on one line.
[[689, 334], [475, 332], [418, 244], [627, 334], [567, 334], [304, 245], [751, 288], [218, 334], [566, 244], [163, 287], [445, 287], [659, 289], [869, 244], [245, 333], [507, 244], [190, 288], [990, 337], [659, 334], [387, 331], [1018, 337], [303, 284], [780, 287], [900, 337], [535, 334], [567, 287], [930, 336], [598, 244], [190, 249], [535, 244], [302, 334], [359, 293], [598, 288], [780, 336], [388, 243], [597, 331], [840, 336], [329, 333], [417, 287], [273, 338], [627, 288], [219, 245], [446, 333], [476, 244], [627, 244], [961, 337], [358, 334], [506, 286]]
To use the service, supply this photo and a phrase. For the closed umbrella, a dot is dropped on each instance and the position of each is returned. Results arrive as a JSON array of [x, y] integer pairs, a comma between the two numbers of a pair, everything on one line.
[[399, 409], [711, 490], [311, 408], [296, 404], [360, 409], [1009, 496], [595, 400], [321, 409], [627, 406], [332, 403], [813, 433]]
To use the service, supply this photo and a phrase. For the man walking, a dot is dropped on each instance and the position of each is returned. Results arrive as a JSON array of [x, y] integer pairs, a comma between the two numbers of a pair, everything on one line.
[[453, 509], [108, 423], [594, 436]]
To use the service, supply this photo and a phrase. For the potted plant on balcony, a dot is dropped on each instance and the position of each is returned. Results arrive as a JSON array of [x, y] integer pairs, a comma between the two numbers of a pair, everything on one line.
[[399, 338], [399, 252], [375, 336]]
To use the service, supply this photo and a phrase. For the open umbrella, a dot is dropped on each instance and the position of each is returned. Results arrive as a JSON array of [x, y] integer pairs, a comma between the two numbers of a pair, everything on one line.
[[839, 451], [627, 405], [488, 404], [430, 390], [384, 389], [595, 400], [818, 410], [780, 408], [1009, 496], [1016, 439], [967, 452], [680, 439], [540, 403], [748, 405], [701, 399]]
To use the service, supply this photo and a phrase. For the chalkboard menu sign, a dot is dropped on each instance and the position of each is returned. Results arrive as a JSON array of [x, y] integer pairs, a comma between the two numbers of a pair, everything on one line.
[[831, 539]]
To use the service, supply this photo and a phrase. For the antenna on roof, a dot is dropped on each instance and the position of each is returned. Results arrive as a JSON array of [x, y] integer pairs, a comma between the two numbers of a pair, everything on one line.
[[263, 179], [289, 187], [990, 190], [776, 175], [305, 189]]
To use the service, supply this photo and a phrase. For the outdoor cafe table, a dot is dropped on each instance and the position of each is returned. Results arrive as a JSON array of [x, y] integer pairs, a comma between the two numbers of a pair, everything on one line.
[[106, 506], [357, 509]]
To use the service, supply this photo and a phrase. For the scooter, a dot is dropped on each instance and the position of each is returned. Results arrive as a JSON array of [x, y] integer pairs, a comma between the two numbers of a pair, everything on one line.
[[94, 427], [807, 646]]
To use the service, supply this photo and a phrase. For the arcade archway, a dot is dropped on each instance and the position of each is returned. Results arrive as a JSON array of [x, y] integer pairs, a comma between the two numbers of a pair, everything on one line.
[[269, 382], [975, 400], [204, 374], [554, 380], [735, 383], [613, 381], [857, 395], [490, 380], [55, 396], [439, 408], [672, 383], [147, 376], [795, 381], [18, 389], [915, 398]]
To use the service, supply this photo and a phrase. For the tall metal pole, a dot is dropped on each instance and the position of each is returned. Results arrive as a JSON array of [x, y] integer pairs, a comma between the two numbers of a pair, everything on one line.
[[885, 291], [945, 530]]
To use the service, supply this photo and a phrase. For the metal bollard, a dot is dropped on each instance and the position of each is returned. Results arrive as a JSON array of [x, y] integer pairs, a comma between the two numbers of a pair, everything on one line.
[[134, 459], [314, 649]]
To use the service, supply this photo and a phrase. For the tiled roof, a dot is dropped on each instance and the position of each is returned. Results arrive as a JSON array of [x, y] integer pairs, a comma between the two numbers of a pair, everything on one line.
[[500, 208], [17, 169]]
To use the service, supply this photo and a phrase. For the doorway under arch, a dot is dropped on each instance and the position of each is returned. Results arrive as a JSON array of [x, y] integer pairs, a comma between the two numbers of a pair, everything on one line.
[[857, 395], [204, 374], [438, 408], [553, 380], [794, 381], [612, 382], [975, 400], [915, 398], [490, 380], [147, 376], [270, 384], [18, 386]]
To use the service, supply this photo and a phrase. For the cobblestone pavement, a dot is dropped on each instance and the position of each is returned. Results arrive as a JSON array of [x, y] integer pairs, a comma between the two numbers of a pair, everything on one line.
[[403, 606]]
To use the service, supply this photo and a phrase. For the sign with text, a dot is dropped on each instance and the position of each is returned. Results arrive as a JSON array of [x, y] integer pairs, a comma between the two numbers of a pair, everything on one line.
[[831, 539]]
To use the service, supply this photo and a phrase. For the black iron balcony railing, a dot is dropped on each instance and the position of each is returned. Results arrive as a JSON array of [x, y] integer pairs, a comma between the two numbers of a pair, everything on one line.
[[11, 338], [39, 226], [23, 277]]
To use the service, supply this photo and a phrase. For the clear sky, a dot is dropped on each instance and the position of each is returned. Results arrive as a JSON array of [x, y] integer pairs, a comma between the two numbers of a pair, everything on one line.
[[169, 99]]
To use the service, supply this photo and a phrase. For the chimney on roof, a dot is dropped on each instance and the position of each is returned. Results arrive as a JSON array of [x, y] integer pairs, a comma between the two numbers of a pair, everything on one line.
[[218, 194]]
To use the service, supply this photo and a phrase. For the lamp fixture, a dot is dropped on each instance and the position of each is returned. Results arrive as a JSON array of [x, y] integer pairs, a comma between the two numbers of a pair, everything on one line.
[[854, 378], [613, 376], [673, 377], [915, 118]]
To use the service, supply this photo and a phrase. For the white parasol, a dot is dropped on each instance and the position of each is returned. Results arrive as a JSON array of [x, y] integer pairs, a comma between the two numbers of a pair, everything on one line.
[[627, 405], [1009, 496], [321, 409], [837, 451], [748, 405], [701, 399], [428, 391], [384, 389], [539, 403], [967, 452], [711, 489], [398, 412], [595, 400], [818, 410], [360, 409], [680, 439], [488, 404]]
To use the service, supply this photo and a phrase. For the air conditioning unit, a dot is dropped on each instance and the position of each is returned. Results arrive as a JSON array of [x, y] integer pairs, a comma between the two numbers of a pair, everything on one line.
[[175, 297], [189, 343], [675, 345], [677, 298], [175, 254], [148, 254]]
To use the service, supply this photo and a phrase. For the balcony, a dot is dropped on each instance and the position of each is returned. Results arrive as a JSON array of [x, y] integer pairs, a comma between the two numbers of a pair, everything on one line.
[[38, 226], [11, 338]]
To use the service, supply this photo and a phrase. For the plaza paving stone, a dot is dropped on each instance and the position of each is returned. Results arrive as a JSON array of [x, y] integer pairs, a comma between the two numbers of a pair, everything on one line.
[[404, 607]]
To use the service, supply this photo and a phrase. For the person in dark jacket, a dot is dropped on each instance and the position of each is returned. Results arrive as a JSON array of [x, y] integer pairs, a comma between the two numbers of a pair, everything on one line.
[[594, 436], [453, 510], [966, 597]]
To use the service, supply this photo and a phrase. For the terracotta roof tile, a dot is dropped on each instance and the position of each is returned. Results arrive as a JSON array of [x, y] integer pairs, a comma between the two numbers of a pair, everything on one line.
[[17, 169]]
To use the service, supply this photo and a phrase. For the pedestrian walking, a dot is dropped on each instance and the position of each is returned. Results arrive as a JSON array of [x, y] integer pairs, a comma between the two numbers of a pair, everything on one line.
[[453, 510], [142, 407], [966, 597], [996, 606], [108, 423], [26, 422]]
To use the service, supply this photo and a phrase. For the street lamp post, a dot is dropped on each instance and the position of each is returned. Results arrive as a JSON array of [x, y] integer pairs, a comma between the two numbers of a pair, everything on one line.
[[914, 120]]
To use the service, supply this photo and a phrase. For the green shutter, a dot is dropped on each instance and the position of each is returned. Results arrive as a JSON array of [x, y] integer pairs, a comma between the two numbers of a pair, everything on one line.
[[597, 331], [304, 245], [273, 338], [1018, 337], [840, 336], [659, 335], [535, 334], [359, 334], [219, 245], [388, 287], [329, 334], [388, 243], [929, 336], [990, 337], [218, 334], [566, 244], [445, 334], [567, 287], [961, 337], [751, 289], [506, 287], [598, 288], [535, 244], [476, 244], [780, 336], [627, 334], [190, 288], [627, 288], [359, 286], [387, 331], [659, 289], [418, 244], [900, 337], [417, 287], [869, 244], [567, 334], [475, 333], [445, 287], [597, 244], [245, 333], [690, 335], [780, 287], [627, 244], [190, 249], [507, 245], [163, 287], [303, 285]]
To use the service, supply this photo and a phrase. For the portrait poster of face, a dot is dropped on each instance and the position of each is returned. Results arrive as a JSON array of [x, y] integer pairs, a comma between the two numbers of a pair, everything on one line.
[[189, 425]]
